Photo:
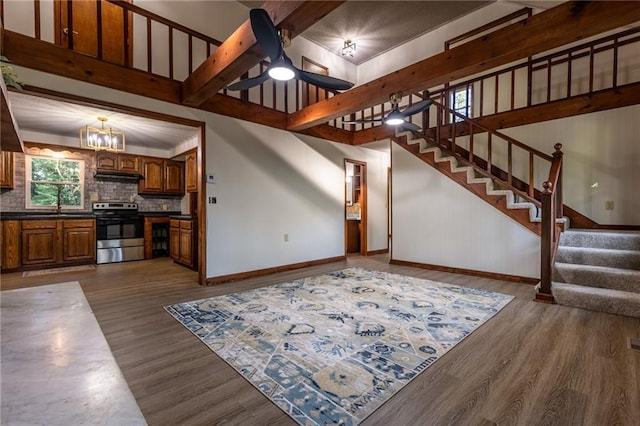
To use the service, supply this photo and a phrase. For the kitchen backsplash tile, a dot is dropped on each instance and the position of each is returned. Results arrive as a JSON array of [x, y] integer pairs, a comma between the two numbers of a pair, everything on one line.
[[13, 200]]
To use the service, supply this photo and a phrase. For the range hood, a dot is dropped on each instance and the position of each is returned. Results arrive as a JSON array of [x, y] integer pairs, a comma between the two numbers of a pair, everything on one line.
[[102, 174]]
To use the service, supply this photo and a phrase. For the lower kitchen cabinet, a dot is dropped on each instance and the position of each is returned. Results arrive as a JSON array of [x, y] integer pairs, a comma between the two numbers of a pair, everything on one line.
[[31, 243], [40, 242], [182, 240], [79, 240], [156, 237], [10, 244]]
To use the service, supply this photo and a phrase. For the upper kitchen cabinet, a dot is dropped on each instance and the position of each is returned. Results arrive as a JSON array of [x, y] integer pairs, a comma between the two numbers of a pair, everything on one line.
[[6, 169], [191, 173], [109, 162], [161, 176]]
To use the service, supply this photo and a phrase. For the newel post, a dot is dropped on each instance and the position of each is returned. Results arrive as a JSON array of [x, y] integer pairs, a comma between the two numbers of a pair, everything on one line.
[[557, 157], [543, 293]]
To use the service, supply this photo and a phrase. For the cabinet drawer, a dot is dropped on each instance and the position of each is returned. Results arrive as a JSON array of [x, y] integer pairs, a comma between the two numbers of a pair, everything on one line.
[[186, 224], [39, 224], [78, 223], [174, 223]]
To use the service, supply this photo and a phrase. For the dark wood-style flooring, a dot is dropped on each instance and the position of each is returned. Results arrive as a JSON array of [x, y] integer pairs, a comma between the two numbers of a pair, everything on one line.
[[532, 364]]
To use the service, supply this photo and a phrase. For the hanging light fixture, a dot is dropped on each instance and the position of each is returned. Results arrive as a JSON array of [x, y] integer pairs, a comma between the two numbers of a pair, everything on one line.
[[102, 138], [349, 48]]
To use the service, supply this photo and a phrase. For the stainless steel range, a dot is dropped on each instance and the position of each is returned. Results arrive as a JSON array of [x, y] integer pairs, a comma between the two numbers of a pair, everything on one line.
[[119, 232]]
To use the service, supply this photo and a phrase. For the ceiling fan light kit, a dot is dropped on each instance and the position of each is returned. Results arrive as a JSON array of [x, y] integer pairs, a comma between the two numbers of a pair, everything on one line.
[[397, 117], [281, 68]]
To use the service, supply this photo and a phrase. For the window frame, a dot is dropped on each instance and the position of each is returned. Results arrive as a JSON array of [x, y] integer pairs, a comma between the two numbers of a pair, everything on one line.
[[28, 181], [466, 108]]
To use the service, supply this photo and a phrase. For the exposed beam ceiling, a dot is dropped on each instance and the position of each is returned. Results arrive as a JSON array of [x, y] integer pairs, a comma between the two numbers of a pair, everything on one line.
[[240, 52], [555, 27]]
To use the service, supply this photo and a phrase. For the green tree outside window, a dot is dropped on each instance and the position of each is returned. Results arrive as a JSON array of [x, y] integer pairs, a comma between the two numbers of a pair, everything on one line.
[[46, 176]]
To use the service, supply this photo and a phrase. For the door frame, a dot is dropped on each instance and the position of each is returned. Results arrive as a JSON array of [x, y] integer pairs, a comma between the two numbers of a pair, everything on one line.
[[363, 205]]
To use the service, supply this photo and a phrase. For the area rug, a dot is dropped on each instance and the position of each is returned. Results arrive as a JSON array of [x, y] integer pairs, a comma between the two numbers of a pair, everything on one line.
[[58, 270], [330, 349]]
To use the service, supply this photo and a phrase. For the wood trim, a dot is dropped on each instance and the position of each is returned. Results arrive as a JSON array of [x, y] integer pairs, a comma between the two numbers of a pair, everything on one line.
[[380, 251], [201, 210], [463, 271], [268, 271], [363, 206]]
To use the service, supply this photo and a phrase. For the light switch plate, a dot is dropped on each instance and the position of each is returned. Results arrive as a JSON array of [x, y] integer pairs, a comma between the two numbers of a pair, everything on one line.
[[211, 178]]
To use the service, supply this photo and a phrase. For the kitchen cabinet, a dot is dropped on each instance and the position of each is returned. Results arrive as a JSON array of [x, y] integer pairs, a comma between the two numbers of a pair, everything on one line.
[[156, 237], [40, 242], [161, 176], [78, 240], [182, 240], [51, 242], [107, 162], [191, 171], [6, 169], [10, 244]]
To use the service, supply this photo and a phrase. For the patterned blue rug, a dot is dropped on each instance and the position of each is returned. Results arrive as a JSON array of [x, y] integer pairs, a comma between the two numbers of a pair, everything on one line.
[[331, 349]]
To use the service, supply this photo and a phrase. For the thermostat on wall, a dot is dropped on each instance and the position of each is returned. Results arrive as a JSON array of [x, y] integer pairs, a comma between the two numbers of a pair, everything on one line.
[[211, 178]]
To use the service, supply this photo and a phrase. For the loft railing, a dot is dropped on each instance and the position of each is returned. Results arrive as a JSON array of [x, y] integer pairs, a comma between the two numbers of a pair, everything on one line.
[[606, 63]]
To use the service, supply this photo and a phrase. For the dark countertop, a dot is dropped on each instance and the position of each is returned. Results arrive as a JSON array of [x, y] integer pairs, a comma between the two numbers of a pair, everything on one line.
[[44, 215], [159, 213], [182, 216]]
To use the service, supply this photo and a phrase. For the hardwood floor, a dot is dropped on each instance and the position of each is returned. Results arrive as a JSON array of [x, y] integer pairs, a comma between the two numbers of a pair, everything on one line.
[[531, 364]]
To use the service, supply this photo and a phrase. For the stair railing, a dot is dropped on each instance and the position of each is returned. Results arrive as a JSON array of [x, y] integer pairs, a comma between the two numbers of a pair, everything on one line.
[[450, 123], [551, 198]]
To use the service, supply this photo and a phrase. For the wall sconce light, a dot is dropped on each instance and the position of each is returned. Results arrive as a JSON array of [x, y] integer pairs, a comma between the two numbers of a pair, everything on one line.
[[349, 48], [101, 138]]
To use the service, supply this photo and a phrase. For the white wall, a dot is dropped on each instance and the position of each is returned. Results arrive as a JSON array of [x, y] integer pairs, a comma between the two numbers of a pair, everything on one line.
[[268, 182], [600, 148], [436, 221]]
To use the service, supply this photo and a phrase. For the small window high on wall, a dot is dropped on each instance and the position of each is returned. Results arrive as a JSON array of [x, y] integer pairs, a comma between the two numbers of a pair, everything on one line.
[[49, 179], [461, 102]]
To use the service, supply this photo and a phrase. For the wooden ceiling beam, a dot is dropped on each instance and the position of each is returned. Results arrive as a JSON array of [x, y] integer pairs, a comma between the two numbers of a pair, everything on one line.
[[561, 25], [240, 52]]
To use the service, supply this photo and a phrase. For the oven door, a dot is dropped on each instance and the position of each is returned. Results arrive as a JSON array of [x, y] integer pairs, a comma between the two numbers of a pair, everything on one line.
[[119, 228]]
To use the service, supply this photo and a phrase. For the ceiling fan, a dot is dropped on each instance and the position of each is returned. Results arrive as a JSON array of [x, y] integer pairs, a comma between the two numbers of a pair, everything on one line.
[[281, 67], [397, 117]]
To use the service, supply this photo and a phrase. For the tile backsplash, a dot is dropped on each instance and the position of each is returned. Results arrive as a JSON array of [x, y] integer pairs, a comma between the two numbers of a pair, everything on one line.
[[13, 200]]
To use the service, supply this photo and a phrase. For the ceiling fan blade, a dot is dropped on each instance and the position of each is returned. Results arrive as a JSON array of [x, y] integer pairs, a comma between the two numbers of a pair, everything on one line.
[[362, 121], [324, 81], [416, 108], [249, 82], [409, 126], [266, 33]]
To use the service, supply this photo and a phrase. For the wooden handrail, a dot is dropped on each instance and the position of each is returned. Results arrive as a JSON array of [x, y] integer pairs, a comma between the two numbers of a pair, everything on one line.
[[551, 198]]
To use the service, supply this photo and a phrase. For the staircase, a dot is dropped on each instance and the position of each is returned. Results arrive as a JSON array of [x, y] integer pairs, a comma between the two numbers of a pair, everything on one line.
[[598, 270], [506, 200]]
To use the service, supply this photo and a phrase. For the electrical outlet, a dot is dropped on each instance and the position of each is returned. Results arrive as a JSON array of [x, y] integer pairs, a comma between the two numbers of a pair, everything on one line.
[[286, 237], [608, 205], [165, 207], [94, 196]]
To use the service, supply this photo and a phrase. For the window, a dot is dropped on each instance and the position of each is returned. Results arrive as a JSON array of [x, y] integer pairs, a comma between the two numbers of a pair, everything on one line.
[[461, 103], [50, 178]]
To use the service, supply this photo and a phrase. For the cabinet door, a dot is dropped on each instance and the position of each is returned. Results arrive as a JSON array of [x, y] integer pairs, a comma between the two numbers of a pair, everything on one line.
[[10, 239], [174, 177], [174, 242], [106, 161], [128, 163], [39, 246], [79, 240], [186, 241], [191, 173], [6, 169], [152, 176]]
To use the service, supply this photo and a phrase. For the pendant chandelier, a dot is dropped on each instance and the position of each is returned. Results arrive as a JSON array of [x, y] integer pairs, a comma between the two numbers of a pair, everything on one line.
[[102, 138]]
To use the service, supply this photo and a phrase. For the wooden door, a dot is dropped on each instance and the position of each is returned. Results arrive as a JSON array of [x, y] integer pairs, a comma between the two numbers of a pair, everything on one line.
[[310, 93], [191, 173], [186, 241], [6, 169], [106, 161], [128, 163], [174, 239], [110, 41], [10, 240]]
